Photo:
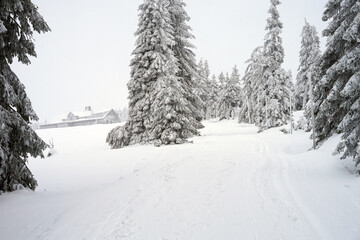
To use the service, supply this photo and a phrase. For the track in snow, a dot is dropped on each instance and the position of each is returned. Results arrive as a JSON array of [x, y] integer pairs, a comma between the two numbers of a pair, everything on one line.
[[230, 184]]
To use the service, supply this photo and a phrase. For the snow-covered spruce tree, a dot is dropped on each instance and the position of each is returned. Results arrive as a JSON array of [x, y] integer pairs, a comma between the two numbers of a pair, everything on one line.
[[207, 70], [275, 114], [213, 98], [160, 111], [252, 89], [221, 85], [187, 74], [287, 103], [309, 55], [202, 90], [222, 107], [237, 84], [221, 80], [208, 89], [337, 96], [173, 121], [229, 95], [18, 20], [144, 73]]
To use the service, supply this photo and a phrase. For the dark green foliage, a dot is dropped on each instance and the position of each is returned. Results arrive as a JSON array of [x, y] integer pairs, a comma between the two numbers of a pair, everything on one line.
[[18, 20]]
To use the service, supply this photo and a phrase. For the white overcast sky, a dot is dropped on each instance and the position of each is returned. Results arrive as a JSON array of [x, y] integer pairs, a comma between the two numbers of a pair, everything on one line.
[[85, 59]]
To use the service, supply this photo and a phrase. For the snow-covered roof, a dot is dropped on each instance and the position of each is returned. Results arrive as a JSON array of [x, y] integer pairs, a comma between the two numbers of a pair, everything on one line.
[[90, 114], [81, 115]]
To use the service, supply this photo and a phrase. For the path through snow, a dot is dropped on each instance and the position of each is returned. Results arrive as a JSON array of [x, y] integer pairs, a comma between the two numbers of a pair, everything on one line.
[[232, 183]]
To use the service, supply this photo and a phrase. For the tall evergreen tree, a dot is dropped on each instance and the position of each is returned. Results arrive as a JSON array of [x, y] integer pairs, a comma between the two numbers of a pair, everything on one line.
[[337, 95], [207, 69], [213, 97], [202, 89], [185, 55], [144, 72], [273, 73], [253, 91], [18, 20], [160, 109], [309, 56], [229, 95], [221, 80], [208, 89], [237, 88], [287, 103]]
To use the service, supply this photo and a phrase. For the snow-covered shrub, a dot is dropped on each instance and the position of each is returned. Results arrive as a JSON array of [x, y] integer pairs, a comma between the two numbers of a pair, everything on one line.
[[118, 137], [301, 124]]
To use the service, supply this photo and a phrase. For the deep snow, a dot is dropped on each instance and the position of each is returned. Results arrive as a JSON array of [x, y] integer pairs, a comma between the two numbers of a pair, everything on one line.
[[232, 183]]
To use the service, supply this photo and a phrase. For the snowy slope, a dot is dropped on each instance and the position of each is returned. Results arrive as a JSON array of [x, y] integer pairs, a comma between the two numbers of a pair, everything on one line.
[[232, 183]]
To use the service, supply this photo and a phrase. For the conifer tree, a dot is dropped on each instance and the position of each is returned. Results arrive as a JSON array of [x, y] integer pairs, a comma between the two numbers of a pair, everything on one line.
[[172, 119], [202, 89], [287, 91], [213, 97], [161, 88], [337, 96], [18, 20], [253, 91], [309, 57], [221, 80], [144, 72], [185, 55], [229, 95], [273, 73], [221, 104], [236, 82], [207, 70], [208, 89]]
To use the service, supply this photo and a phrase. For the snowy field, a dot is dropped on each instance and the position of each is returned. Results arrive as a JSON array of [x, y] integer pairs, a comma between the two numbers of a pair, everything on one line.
[[232, 183]]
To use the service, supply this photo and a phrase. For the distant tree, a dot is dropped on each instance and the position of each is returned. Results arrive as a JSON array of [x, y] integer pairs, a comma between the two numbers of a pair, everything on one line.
[[337, 96], [222, 80], [213, 97], [229, 95], [309, 56], [209, 86], [123, 114], [236, 91], [207, 69], [287, 102], [18, 20], [202, 90], [252, 89]]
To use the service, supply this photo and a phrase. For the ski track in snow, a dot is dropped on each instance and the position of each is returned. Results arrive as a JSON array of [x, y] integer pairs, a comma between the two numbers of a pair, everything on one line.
[[230, 184]]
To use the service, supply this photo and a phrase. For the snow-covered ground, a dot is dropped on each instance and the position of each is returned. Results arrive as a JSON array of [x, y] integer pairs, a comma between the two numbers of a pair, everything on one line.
[[232, 183]]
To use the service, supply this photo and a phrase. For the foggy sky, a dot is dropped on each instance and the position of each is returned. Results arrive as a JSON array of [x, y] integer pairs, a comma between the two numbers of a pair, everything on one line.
[[85, 59]]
